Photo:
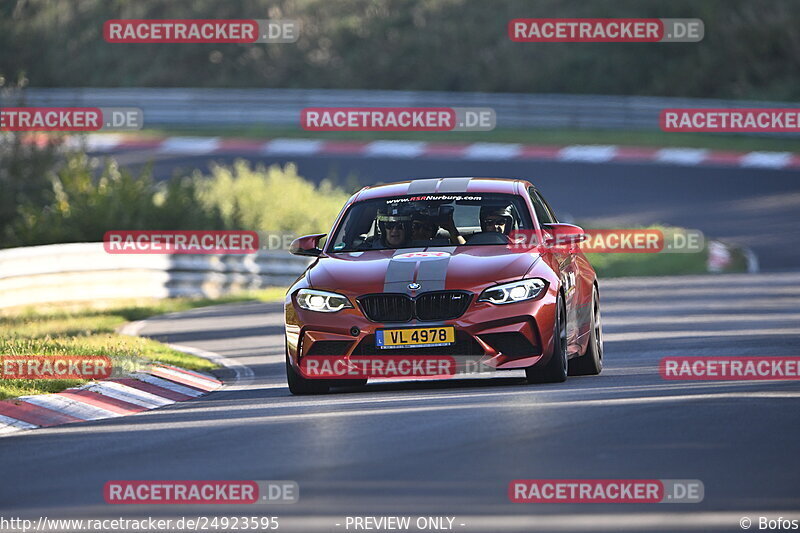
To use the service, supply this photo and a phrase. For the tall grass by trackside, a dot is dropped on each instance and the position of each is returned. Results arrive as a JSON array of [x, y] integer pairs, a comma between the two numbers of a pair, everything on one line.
[[82, 198]]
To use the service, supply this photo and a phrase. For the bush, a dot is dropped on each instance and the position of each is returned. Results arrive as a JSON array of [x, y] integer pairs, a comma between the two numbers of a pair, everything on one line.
[[75, 204], [24, 165], [24, 179], [269, 199], [84, 207]]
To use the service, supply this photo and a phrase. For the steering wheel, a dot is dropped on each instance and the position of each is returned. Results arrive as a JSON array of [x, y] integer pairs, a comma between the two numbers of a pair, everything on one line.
[[488, 237]]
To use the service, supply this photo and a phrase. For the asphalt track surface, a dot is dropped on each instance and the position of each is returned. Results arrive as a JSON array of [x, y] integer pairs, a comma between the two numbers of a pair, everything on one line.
[[753, 207], [450, 448]]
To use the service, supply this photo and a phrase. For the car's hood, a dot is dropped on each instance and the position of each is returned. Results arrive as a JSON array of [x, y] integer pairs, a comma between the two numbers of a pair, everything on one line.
[[466, 267]]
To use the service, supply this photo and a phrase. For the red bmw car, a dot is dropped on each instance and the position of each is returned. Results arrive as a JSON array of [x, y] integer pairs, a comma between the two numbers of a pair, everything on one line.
[[473, 270]]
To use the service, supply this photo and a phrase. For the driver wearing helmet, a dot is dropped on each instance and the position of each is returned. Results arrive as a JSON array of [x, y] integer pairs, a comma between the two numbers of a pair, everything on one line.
[[425, 227], [394, 227], [497, 218]]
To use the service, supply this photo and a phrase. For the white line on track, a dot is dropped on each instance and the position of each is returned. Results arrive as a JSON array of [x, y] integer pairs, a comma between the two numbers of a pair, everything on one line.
[[766, 159], [588, 153], [241, 371], [395, 149], [189, 145], [681, 156], [293, 146], [492, 151]]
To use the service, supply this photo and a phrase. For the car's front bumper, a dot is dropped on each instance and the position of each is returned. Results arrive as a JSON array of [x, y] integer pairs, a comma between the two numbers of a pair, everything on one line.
[[488, 336]]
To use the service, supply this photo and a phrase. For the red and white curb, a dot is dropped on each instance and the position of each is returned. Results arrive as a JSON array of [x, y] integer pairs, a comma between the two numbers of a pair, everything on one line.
[[155, 387], [160, 385], [479, 151]]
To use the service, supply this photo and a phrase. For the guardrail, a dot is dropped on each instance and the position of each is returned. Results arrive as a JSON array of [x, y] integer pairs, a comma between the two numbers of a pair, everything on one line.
[[60, 273], [80, 272], [281, 107]]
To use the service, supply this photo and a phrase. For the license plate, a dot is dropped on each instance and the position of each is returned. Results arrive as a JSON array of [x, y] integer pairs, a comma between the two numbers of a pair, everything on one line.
[[415, 337]]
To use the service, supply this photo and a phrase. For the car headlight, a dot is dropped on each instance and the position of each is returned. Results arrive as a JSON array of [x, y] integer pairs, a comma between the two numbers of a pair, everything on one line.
[[322, 301], [517, 291]]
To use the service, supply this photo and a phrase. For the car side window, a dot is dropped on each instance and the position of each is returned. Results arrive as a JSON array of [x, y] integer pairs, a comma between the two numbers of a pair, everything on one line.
[[544, 215], [547, 207]]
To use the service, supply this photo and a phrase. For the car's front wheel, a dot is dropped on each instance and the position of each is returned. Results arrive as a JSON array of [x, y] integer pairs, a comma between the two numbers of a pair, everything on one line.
[[591, 363], [300, 385], [555, 371]]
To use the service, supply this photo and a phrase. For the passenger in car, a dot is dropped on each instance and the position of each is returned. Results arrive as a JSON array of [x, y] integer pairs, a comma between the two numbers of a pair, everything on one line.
[[395, 229]]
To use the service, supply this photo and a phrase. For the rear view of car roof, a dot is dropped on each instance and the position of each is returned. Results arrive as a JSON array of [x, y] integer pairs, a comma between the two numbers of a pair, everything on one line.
[[440, 186]]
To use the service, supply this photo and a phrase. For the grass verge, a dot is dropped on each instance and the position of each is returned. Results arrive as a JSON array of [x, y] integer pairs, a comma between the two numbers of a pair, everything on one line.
[[615, 265], [80, 330]]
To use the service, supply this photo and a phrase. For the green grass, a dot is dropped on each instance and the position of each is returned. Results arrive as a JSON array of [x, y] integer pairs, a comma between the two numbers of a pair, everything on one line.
[[614, 265], [735, 142], [136, 309], [79, 330], [624, 265]]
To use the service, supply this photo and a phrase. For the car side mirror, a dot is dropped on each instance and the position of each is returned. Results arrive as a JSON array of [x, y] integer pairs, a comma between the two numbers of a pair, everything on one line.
[[307, 245], [563, 234]]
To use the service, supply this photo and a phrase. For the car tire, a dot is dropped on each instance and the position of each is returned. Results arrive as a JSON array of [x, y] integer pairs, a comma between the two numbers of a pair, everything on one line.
[[591, 362], [555, 371], [298, 385]]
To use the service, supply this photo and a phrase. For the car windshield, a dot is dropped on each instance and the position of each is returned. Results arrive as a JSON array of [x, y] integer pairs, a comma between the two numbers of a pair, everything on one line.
[[436, 220]]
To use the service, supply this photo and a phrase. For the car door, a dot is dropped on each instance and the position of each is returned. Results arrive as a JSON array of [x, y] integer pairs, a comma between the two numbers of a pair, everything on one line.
[[566, 260]]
